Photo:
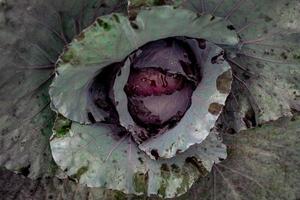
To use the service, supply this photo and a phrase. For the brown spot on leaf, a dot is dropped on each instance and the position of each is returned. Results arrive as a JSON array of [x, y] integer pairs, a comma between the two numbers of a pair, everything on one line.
[[80, 36], [218, 59], [106, 26], [215, 108], [198, 164], [140, 182], [80, 172], [224, 82], [178, 151], [165, 167], [175, 168]]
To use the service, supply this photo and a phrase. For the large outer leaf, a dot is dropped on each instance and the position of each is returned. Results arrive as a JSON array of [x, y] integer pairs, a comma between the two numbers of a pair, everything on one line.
[[135, 5], [263, 163], [25, 116], [265, 166], [110, 39], [285, 13], [199, 119], [18, 187], [267, 66], [95, 156], [31, 39]]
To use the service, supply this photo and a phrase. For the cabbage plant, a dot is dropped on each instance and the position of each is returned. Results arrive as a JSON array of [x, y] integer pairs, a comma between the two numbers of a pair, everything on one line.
[[150, 96]]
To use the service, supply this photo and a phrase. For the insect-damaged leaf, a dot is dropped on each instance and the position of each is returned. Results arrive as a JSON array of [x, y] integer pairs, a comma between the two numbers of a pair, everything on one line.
[[267, 64], [262, 163], [16, 186], [282, 15], [111, 39], [133, 6], [98, 156], [207, 102], [31, 39]]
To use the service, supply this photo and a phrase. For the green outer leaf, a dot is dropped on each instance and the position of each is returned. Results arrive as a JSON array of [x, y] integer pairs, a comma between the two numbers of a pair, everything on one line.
[[31, 41], [25, 116], [197, 122], [16, 186], [263, 163], [268, 52], [254, 18], [275, 90], [138, 4], [133, 6], [92, 154], [110, 39], [268, 171]]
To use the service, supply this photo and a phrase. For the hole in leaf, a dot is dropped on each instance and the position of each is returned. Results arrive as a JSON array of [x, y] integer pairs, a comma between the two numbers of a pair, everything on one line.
[[25, 170], [230, 27], [134, 25], [91, 117], [154, 153]]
